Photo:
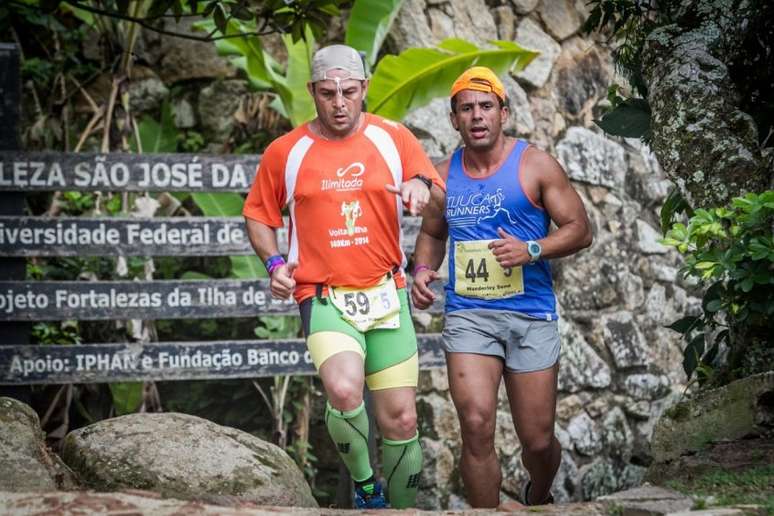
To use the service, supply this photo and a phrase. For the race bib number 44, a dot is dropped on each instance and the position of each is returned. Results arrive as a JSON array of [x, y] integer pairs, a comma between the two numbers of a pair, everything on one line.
[[477, 273], [368, 308]]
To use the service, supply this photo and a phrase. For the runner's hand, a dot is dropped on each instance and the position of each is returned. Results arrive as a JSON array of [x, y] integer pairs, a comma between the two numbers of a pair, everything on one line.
[[282, 282], [421, 294], [509, 251], [414, 193]]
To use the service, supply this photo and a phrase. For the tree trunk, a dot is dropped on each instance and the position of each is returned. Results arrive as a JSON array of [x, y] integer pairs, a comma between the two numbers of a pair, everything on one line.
[[706, 144]]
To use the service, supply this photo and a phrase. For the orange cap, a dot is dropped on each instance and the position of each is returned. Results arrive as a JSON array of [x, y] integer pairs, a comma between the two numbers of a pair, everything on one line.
[[479, 78]]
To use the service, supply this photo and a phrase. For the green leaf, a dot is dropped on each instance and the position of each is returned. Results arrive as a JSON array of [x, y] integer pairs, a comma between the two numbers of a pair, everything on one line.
[[246, 267], [230, 205], [156, 8], [157, 136], [194, 275], [686, 324], [225, 204], [692, 354], [630, 119], [219, 17], [368, 25], [714, 305], [674, 204], [85, 16], [714, 293], [127, 397], [240, 12], [264, 72], [418, 75], [295, 96]]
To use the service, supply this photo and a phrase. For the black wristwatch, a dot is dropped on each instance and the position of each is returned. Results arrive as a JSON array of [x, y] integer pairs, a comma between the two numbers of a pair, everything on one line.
[[426, 180]]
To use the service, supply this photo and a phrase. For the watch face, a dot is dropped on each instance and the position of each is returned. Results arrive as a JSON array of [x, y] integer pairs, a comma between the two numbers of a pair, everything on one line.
[[534, 249]]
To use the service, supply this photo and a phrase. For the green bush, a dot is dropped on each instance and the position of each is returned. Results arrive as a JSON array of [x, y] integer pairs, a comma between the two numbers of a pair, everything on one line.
[[730, 250]]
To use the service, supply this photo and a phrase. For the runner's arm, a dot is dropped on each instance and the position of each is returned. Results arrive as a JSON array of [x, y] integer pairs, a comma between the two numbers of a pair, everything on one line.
[[563, 205], [430, 248], [263, 238], [431, 241]]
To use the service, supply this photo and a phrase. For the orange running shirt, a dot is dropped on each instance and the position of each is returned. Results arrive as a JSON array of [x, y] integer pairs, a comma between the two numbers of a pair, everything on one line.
[[345, 227]]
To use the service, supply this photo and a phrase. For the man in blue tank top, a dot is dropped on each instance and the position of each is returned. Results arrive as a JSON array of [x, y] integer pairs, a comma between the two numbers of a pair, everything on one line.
[[501, 321]]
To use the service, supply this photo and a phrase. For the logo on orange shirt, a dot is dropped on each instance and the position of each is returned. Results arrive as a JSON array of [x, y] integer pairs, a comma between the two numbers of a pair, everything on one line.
[[347, 179], [351, 211]]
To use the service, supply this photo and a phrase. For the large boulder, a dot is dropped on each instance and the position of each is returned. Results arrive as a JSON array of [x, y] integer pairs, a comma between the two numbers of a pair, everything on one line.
[[744, 408], [26, 462], [186, 457]]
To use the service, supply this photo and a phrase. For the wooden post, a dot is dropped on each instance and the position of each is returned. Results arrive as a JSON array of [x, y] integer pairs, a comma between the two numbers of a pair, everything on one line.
[[11, 203]]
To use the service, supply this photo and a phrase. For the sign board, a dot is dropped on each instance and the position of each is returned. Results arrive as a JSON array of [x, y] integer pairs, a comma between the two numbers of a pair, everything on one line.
[[168, 236], [90, 363], [48, 171], [174, 299]]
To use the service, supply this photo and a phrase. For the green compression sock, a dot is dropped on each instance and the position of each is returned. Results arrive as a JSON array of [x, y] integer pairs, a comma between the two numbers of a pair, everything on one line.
[[402, 462], [349, 431]]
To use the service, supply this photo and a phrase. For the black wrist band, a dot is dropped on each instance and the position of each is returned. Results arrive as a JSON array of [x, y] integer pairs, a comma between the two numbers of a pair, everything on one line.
[[426, 180]]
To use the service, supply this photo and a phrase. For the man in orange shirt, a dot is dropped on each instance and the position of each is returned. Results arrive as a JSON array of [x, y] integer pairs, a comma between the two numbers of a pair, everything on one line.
[[345, 178]]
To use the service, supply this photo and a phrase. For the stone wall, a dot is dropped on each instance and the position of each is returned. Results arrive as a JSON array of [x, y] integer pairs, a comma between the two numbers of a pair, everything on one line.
[[620, 367]]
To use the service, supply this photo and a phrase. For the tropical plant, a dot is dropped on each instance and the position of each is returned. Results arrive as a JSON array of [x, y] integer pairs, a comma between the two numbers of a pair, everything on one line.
[[730, 250], [418, 75], [399, 83], [268, 17]]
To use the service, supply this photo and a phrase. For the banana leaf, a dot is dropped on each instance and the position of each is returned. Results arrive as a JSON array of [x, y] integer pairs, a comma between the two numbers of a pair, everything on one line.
[[230, 205], [246, 52], [298, 104], [418, 75], [265, 73], [127, 396], [368, 25], [157, 136]]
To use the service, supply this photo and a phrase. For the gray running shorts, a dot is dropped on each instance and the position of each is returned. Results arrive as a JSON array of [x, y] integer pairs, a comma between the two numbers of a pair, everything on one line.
[[524, 343]]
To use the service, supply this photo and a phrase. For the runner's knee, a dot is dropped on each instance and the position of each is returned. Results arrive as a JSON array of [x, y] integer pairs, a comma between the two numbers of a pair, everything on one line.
[[404, 426], [537, 443], [478, 428], [344, 393]]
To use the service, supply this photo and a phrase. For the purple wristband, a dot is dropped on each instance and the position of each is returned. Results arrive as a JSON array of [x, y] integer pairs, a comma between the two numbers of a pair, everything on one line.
[[272, 262], [419, 268]]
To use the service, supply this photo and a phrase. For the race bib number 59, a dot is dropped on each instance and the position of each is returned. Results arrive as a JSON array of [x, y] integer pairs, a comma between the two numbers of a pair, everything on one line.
[[370, 308], [477, 273]]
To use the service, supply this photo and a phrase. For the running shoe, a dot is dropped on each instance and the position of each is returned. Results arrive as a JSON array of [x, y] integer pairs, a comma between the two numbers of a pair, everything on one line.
[[370, 496]]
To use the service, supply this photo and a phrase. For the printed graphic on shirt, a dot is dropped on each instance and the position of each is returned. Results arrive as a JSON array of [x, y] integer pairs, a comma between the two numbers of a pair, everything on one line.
[[470, 208], [347, 179], [350, 211]]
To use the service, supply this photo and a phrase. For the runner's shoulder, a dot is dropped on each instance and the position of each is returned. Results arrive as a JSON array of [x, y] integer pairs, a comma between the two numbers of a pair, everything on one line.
[[280, 146], [386, 123], [541, 164]]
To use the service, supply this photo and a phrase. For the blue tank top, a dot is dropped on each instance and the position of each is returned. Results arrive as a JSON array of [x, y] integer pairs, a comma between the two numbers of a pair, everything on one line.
[[475, 208]]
